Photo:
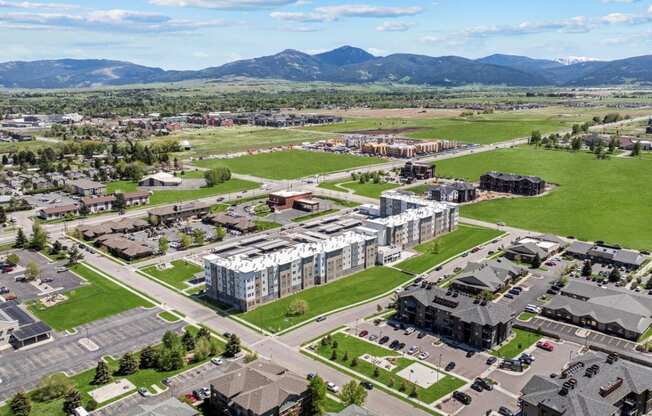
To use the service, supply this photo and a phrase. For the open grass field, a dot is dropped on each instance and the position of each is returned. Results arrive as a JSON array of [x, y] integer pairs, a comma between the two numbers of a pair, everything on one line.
[[346, 291], [179, 195], [176, 276], [355, 347], [212, 141], [290, 164], [521, 341], [446, 247], [595, 199], [369, 189], [99, 299]]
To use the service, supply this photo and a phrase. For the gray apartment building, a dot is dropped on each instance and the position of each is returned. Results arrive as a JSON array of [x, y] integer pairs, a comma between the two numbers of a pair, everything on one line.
[[595, 384], [479, 324], [489, 275], [457, 192], [606, 254]]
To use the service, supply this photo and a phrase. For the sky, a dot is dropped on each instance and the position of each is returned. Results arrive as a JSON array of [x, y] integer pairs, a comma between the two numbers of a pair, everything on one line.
[[195, 34]]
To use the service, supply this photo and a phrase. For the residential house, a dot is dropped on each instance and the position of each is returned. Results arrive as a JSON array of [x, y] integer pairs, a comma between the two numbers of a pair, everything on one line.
[[136, 198], [606, 254], [95, 204], [594, 384], [479, 324], [120, 246], [512, 184], [260, 388], [494, 276], [85, 187], [58, 212]]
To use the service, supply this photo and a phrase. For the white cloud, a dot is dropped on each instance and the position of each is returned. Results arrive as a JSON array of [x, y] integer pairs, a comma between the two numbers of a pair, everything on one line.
[[224, 4], [30, 5], [333, 13], [377, 52], [394, 27]]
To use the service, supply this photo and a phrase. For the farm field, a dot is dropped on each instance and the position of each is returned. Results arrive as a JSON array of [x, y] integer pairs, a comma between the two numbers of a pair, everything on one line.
[[346, 291], [212, 141], [101, 298], [447, 246], [595, 199], [179, 195], [369, 189], [290, 164]]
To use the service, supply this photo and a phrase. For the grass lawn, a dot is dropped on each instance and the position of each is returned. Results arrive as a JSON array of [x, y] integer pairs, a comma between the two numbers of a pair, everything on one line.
[[522, 341], [332, 406], [464, 238], [323, 299], [178, 195], [266, 225], [595, 199], [419, 189], [369, 189], [355, 347], [645, 335], [99, 299], [290, 164], [176, 276], [526, 316], [314, 215]]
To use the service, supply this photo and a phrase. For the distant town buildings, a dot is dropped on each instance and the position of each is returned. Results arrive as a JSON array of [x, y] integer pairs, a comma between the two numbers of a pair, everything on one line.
[[85, 187], [512, 184]]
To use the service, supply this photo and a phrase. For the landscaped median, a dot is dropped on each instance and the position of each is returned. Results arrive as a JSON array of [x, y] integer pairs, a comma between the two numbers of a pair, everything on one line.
[[521, 341], [177, 274], [360, 287], [447, 247], [416, 382]]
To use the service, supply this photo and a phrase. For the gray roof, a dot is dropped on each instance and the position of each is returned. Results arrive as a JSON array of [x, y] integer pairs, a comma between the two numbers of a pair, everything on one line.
[[352, 410], [631, 311], [623, 256], [169, 407], [462, 307], [529, 249], [488, 274], [513, 177], [86, 184], [585, 398]]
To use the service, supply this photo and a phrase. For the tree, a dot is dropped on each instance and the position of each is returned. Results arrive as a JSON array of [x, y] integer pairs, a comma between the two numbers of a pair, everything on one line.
[[163, 245], [536, 261], [185, 241], [171, 340], [636, 150], [535, 138], [3, 215], [188, 341], [614, 275], [317, 394], [587, 269], [232, 346], [354, 361], [202, 349], [148, 358], [39, 237], [74, 255], [21, 239], [52, 387], [13, 259], [413, 392], [171, 359], [297, 307], [376, 372], [217, 175], [102, 374], [128, 364], [20, 404], [32, 271], [119, 203], [198, 236], [220, 233], [71, 402], [56, 248], [203, 333], [576, 143], [353, 393]]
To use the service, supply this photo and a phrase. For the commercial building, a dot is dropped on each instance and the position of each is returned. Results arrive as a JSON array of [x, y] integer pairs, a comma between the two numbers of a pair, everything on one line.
[[406, 220], [160, 179], [475, 323], [121, 246], [457, 192], [136, 198], [616, 312], [595, 384], [85, 187], [246, 282], [512, 184], [527, 249], [304, 201], [606, 254], [489, 275], [61, 211], [7, 326], [172, 213], [95, 204], [417, 171], [260, 388]]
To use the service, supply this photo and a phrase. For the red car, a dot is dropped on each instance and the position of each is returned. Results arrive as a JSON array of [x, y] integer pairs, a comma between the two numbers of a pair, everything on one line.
[[363, 334], [545, 345]]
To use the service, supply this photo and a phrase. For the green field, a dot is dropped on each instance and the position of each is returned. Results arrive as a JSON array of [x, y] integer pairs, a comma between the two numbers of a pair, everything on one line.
[[211, 141], [368, 189], [522, 340], [356, 347], [290, 164], [176, 276], [595, 199], [480, 129], [99, 299], [346, 291], [179, 195], [447, 246]]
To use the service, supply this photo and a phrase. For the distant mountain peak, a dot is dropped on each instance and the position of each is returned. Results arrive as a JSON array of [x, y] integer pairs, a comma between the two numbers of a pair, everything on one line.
[[344, 55]]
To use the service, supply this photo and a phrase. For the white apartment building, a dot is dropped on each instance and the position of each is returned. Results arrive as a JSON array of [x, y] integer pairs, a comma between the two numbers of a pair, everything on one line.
[[247, 283]]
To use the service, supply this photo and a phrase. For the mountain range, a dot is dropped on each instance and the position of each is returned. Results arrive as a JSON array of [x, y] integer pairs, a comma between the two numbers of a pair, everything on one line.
[[343, 65]]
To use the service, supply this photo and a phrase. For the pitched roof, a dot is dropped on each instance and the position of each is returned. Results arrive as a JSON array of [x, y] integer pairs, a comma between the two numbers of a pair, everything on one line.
[[488, 274]]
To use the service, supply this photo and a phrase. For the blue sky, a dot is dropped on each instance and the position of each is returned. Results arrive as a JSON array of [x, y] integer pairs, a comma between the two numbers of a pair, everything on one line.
[[193, 34]]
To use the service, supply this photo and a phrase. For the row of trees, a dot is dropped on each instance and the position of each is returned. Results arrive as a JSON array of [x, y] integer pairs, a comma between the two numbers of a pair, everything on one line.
[[352, 393], [365, 177], [216, 176], [197, 237], [38, 240]]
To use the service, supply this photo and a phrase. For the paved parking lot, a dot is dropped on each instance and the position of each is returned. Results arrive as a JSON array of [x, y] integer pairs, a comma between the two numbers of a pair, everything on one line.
[[24, 291], [128, 331], [481, 403]]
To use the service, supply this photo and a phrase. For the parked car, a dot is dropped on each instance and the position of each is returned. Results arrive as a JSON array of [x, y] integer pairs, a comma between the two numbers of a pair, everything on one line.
[[413, 350], [320, 319], [310, 376], [166, 381], [363, 334], [217, 361], [484, 383], [4, 290], [450, 366], [462, 397], [470, 354], [545, 345], [477, 387], [383, 340], [393, 344], [409, 331], [505, 411], [143, 391], [491, 360], [423, 355], [332, 387], [533, 309], [367, 385], [373, 337], [62, 269], [513, 292], [421, 334], [400, 346]]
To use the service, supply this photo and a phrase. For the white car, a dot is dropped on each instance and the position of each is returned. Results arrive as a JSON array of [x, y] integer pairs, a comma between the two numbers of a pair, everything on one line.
[[413, 350], [332, 387], [423, 355], [409, 331], [217, 361], [533, 309]]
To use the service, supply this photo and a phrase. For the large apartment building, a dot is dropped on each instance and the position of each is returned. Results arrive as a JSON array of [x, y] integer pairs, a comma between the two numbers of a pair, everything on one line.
[[512, 184], [247, 282], [406, 220]]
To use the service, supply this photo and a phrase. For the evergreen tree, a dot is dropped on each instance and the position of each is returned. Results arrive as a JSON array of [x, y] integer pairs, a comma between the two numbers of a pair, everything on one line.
[[188, 341], [148, 357], [171, 340], [39, 237], [20, 405], [102, 375], [587, 269], [614, 275], [128, 364], [71, 402], [203, 333], [232, 346], [21, 239]]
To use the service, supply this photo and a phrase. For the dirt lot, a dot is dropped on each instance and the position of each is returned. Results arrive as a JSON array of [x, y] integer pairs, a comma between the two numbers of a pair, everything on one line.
[[415, 113]]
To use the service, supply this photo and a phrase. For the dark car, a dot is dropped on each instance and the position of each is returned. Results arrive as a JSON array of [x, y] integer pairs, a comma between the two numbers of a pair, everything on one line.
[[462, 397], [320, 319], [421, 334], [450, 366], [484, 383], [363, 334], [491, 360], [367, 385], [477, 387], [383, 339], [470, 354], [400, 346], [394, 344], [508, 296], [505, 411]]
